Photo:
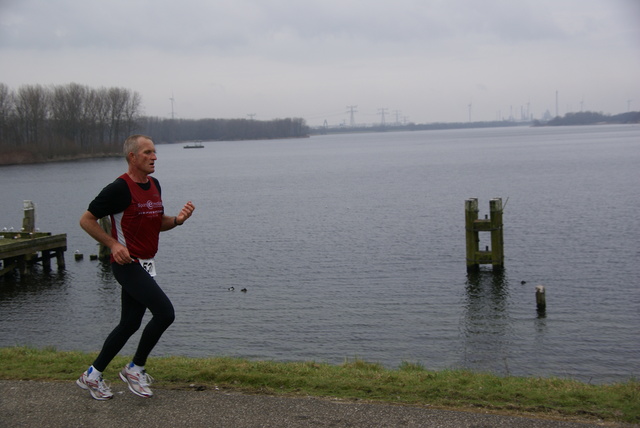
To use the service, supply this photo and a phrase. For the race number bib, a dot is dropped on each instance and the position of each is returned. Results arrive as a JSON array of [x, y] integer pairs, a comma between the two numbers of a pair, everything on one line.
[[149, 265]]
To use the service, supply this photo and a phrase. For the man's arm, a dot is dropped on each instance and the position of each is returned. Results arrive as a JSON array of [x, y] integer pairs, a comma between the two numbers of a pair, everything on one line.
[[90, 224], [169, 222]]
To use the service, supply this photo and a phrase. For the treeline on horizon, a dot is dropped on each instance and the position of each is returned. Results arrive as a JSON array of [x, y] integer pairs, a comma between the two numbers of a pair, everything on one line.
[[413, 127], [590, 118], [569, 119], [39, 123]]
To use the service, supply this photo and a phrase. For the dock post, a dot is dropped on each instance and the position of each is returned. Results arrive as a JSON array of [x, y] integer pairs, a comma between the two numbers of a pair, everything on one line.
[[541, 300], [60, 259], [46, 260], [22, 266], [473, 241], [497, 243], [29, 219], [104, 252]]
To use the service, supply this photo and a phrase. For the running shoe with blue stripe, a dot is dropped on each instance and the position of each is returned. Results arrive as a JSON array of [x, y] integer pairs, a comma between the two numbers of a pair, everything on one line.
[[138, 382]]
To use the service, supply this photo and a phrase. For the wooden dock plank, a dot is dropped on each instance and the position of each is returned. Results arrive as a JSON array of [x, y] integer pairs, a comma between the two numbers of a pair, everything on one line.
[[21, 249]]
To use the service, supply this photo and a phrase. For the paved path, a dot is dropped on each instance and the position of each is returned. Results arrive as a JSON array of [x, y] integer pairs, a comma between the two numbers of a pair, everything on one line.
[[58, 404]]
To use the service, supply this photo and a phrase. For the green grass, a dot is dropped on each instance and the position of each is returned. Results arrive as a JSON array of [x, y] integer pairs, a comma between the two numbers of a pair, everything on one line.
[[410, 384]]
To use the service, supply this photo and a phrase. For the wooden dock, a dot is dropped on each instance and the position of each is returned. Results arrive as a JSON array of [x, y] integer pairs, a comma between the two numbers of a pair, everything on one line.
[[21, 250]]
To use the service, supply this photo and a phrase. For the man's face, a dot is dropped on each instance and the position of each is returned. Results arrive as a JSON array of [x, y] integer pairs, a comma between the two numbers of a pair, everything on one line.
[[145, 158]]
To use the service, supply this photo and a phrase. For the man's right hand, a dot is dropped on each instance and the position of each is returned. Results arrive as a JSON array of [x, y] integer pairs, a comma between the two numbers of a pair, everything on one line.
[[120, 254]]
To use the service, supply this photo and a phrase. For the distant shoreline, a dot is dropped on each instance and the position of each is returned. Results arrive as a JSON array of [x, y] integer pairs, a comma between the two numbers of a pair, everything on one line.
[[24, 157], [27, 157]]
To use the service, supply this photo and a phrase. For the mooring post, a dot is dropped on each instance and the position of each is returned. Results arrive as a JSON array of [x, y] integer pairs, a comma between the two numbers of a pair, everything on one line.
[[22, 266], [473, 242], [104, 252], [473, 225], [541, 300], [497, 243], [29, 219], [60, 259], [46, 260]]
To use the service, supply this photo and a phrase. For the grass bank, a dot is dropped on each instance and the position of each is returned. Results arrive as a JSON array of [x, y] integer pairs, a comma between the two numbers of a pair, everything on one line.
[[410, 384]]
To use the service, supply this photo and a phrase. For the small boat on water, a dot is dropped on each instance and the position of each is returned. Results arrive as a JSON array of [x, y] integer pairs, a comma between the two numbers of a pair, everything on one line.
[[195, 145]]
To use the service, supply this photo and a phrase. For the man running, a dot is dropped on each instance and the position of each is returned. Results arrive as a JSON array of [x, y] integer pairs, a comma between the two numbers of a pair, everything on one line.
[[133, 202]]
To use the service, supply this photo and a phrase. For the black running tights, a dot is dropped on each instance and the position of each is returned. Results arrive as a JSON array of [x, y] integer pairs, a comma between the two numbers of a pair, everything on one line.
[[139, 292]]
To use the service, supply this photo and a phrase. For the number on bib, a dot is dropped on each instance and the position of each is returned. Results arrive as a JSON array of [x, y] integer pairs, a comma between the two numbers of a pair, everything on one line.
[[149, 265]]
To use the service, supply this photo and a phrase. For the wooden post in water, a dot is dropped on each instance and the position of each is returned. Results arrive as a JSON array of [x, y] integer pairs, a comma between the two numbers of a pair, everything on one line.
[[497, 242], [541, 300], [60, 259], [105, 252], [473, 225], [46, 260], [473, 241]]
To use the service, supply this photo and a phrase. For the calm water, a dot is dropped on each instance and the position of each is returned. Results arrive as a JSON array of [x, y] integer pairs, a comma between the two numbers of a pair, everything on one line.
[[352, 246]]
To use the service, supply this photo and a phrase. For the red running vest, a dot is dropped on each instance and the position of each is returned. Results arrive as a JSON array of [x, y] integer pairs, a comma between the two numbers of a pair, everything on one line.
[[138, 226]]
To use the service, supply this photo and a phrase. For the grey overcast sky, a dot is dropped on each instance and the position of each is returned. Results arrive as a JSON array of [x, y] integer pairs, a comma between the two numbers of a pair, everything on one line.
[[420, 60]]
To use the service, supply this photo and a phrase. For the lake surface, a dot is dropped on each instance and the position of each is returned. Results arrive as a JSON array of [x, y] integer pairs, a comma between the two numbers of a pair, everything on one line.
[[353, 246]]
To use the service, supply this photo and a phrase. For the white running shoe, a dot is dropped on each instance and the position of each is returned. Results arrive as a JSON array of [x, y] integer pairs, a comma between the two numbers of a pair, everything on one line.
[[98, 388], [138, 382]]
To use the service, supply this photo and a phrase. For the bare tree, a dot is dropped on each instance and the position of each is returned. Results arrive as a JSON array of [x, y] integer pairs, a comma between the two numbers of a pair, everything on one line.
[[117, 100], [102, 110], [68, 112], [6, 114], [32, 111], [132, 112]]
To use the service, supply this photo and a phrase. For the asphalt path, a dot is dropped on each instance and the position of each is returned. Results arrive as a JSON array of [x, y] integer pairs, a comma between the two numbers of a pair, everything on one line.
[[63, 404]]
